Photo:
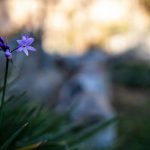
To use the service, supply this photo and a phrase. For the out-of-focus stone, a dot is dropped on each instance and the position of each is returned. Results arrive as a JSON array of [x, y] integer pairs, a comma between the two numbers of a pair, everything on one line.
[[88, 94]]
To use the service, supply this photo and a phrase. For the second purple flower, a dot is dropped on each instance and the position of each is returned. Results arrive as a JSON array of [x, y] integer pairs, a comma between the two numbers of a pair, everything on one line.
[[25, 44]]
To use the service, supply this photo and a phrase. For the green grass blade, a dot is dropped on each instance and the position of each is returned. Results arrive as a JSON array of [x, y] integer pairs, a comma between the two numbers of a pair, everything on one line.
[[10, 140], [91, 131]]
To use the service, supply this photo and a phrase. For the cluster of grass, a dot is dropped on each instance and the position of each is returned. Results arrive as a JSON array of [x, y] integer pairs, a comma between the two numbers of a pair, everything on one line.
[[134, 133], [134, 126], [27, 126]]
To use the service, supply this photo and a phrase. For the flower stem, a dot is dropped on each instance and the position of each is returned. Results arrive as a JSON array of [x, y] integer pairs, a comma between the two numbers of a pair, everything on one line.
[[4, 86], [15, 49]]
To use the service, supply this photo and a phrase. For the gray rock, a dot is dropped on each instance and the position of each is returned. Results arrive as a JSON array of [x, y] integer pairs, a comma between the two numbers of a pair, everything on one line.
[[88, 94]]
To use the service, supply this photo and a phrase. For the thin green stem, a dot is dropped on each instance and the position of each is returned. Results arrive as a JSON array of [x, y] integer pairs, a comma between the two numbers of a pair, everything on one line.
[[4, 86]]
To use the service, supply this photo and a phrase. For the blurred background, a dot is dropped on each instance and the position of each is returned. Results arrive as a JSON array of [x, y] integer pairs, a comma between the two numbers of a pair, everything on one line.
[[74, 38], [70, 26]]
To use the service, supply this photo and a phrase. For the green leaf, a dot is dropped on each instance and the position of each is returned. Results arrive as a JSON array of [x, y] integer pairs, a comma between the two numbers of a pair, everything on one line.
[[10, 140], [91, 131]]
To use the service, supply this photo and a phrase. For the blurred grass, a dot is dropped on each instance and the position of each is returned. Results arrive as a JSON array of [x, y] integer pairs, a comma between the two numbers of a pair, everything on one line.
[[134, 129], [27, 125], [131, 80]]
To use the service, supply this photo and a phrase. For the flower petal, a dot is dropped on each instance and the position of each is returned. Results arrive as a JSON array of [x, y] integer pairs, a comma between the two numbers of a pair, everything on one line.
[[19, 42], [29, 41], [20, 49], [31, 48], [26, 51], [24, 37]]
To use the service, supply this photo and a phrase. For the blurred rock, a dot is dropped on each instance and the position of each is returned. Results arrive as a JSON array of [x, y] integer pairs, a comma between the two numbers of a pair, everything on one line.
[[88, 94]]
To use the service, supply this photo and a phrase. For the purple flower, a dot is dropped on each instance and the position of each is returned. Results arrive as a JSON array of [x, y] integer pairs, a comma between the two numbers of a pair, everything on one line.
[[8, 54], [3, 45], [25, 44]]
